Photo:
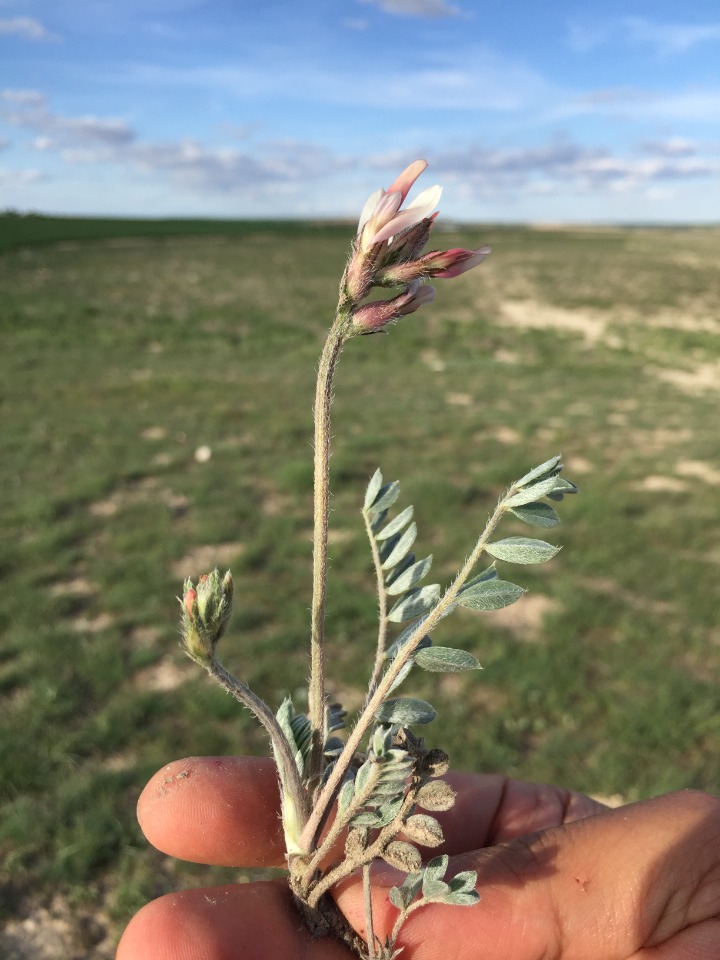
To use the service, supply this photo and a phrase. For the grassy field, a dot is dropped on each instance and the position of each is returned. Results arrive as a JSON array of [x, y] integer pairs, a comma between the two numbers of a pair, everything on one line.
[[123, 355]]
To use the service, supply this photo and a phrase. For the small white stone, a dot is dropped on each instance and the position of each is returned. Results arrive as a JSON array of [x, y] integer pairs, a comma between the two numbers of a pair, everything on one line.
[[203, 454]]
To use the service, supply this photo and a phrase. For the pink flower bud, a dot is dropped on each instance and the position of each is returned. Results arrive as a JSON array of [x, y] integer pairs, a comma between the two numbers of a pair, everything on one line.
[[373, 317], [205, 614], [451, 263], [440, 264], [190, 601]]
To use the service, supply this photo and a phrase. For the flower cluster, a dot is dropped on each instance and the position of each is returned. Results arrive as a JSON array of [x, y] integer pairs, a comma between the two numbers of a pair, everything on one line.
[[206, 612], [388, 253]]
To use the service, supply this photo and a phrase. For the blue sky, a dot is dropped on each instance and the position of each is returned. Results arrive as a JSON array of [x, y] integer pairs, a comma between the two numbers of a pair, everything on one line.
[[526, 111]]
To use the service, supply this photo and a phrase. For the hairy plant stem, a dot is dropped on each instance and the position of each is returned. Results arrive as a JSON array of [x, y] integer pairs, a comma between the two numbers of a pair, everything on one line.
[[340, 823], [323, 402], [367, 898], [326, 796], [404, 914], [287, 770], [370, 853]]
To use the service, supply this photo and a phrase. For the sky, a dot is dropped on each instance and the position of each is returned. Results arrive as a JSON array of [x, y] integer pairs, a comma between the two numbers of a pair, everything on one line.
[[527, 111]]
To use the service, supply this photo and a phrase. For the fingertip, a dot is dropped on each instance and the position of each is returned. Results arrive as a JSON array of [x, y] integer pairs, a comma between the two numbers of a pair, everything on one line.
[[219, 810], [256, 920], [188, 925], [146, 936]]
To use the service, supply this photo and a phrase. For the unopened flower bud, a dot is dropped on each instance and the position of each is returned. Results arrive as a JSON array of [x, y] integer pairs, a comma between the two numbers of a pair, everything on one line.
[[206, 612], [408, 245], [438, 264], [375, 316]]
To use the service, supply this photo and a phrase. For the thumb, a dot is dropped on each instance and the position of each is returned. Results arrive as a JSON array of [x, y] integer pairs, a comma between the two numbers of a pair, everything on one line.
[[628, 884]]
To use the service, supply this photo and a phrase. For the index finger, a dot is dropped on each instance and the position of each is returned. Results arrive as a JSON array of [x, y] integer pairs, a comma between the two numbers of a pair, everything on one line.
[[219, 810], [226, 811]]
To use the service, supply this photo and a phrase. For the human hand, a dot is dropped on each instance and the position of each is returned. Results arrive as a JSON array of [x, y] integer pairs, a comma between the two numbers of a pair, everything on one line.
[[559, 875]]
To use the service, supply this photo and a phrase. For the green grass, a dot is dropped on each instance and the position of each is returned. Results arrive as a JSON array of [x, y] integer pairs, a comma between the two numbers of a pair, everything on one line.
[[128, 345]]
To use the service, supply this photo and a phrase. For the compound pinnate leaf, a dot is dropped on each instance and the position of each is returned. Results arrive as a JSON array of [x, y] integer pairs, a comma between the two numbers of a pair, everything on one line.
[[387, 495], [400, 548], [563, 487], [403, 856], [424, 830], [408, 577], [536, 491], [436, 867], [334, 717], [377, 521], [406, 711], [403, 896], [415, 604], [464, 882], [446, 660], [379, 815], [462, 898], [551, 466], [396, 525], [347, 792], [296, 728], [490, 595], [402, 675], [434, 889], [537, 514], [387, 812], [373, 489], [436, 796], [522, 550], [396, 898], [402, 638], [489, 573]]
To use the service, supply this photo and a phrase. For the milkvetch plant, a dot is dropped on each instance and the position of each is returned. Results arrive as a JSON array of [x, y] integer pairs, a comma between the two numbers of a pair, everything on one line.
[[371, 795]]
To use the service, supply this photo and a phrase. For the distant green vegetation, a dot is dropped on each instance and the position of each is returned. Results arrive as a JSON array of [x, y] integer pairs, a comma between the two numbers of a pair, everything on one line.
[[18, 229], [123, 356]]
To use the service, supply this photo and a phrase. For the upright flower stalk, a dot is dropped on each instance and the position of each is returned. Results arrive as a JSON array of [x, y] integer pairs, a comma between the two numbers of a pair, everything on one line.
[[386, 253], [323, 400]]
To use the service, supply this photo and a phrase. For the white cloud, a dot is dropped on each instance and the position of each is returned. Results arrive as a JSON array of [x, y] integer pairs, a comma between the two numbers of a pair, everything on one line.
[[14, 179], [564, 165], [672, 147], [670, 38], [191, 164], [416, 8], [26, 27], [23, 97], [29, 109], [197, 167], [290, 168], [666, 39], [700, 105]]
